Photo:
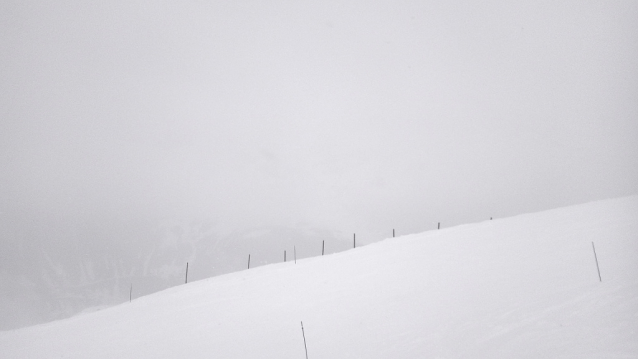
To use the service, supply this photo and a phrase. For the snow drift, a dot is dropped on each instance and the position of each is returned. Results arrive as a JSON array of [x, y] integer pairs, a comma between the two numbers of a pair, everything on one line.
[[520, 287]]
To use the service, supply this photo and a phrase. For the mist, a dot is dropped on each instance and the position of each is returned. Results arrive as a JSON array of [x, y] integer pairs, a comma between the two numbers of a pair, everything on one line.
[[136, 137]]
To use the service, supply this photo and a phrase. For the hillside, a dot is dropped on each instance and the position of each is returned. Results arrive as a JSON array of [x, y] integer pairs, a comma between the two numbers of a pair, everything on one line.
[[519, 287]]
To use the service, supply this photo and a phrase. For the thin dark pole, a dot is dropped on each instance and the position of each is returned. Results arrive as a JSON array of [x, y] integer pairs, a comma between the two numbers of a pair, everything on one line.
[[439, 226], [284, 256], [323, 246], [304, 340], [354, 240], [392, 232], [249, 261], [596, 258], [295, 249], [186, 273]]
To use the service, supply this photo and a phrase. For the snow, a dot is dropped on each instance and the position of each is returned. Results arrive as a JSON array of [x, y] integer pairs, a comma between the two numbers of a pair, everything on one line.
[[519, 287]]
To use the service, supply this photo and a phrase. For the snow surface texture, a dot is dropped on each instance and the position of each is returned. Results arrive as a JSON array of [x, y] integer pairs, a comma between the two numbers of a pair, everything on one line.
[[520, 287]]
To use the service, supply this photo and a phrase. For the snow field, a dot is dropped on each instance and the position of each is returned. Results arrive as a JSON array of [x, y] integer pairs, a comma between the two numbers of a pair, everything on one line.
[[519, 287]]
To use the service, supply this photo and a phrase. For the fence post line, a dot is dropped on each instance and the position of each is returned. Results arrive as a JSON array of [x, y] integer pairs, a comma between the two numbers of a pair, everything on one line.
[[294, 248], [284, 256], [354, 240], [249, 261]]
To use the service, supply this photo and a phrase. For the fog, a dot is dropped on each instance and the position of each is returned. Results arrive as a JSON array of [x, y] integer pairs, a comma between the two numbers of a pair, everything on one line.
[[137, 136]]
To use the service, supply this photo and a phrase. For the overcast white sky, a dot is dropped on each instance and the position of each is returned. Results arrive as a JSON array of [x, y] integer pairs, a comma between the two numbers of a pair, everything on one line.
[[350, 116]]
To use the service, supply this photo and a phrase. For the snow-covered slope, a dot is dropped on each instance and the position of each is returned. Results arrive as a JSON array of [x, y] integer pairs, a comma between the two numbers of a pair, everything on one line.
[[520, 287]]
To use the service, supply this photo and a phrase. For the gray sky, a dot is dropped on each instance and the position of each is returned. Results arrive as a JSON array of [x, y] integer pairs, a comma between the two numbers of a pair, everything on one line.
[[338, 116]]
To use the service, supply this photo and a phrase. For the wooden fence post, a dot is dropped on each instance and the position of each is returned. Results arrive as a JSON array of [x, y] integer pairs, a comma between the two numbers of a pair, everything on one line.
[[304, 340], [596, 258], [186, 281]]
